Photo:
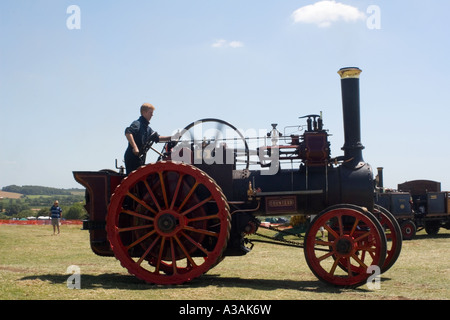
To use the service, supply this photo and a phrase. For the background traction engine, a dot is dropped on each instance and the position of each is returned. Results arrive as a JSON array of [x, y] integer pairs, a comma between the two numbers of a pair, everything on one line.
[[171, 221]]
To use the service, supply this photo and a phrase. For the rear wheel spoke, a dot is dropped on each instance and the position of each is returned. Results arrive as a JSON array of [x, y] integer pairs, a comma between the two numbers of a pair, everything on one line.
[[195, 243], [163, 189], [188, 256], [202, 231], [161, 250], [186, 199], [137, 215], [177, 189], [174, 259], [152, 195], [141, 202], [198, 205], [141, 239], [148, 250]]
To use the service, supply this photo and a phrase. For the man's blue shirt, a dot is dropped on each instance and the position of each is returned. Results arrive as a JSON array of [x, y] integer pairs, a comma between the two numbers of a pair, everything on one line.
[[55, 212]]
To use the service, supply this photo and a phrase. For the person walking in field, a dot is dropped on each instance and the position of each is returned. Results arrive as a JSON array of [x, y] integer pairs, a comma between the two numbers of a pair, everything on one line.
[[56, 214]]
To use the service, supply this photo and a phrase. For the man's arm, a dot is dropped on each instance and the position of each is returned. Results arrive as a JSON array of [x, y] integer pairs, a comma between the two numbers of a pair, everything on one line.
[[165, 138], [131, 141]]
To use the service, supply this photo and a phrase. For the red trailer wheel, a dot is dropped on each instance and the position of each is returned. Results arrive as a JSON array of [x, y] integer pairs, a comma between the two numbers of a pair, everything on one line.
[[355, 241], [168, 223], [409, 229]]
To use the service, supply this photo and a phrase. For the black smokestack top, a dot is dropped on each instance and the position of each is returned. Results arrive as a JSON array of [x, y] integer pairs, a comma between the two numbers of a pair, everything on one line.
[[351, 112], [380, 178]]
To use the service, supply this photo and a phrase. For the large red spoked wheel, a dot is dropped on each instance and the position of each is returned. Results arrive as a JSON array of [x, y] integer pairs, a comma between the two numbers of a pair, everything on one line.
[[168, 223], [355, 241]]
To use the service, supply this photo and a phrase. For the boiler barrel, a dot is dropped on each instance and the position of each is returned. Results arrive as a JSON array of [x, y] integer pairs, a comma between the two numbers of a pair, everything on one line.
[[311, 189]]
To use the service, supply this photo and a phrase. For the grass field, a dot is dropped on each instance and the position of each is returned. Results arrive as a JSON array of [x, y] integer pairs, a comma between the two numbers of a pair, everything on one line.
[[33, 266]]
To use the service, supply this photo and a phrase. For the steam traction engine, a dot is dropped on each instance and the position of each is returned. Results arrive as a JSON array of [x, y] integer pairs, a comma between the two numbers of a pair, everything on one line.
[[171, 221]]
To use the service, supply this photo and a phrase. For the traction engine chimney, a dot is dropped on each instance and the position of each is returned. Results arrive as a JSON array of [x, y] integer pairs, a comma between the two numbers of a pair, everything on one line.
[[351, 115]]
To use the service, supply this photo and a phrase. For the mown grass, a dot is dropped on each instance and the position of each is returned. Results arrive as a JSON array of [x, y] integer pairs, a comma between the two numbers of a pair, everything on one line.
[[33, 266]]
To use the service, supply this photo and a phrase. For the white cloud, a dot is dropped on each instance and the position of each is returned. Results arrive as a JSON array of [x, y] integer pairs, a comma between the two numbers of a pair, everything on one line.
[[236, 44], [324, 13], [221, 43]]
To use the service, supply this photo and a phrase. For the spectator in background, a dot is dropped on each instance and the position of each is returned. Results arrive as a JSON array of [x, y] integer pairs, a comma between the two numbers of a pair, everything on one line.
[[56, 213]]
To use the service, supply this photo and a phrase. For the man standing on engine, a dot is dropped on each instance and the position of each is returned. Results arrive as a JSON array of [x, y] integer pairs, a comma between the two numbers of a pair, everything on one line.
[[138, 135]]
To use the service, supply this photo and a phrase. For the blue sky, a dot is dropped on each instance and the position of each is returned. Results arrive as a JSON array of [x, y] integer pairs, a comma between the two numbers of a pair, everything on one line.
[[66, 95]]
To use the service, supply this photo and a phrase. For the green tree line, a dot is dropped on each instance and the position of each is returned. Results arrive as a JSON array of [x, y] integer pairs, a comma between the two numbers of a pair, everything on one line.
[[38, 190]]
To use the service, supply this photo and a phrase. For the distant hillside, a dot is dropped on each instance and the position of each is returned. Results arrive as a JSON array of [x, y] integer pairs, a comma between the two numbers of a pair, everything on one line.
[[39, 190], [9, 195]]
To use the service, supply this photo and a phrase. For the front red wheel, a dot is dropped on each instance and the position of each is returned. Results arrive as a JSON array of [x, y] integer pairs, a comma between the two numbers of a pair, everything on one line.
[[393, 236], [342, 243], [168, 223]]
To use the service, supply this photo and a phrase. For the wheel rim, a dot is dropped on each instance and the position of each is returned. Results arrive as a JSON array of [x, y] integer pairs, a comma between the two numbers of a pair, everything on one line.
[[168, 223], [355, 242], [393, 236]]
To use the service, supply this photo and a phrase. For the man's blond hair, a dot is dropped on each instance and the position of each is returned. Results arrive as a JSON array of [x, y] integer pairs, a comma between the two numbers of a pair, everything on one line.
[[146, 107]]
